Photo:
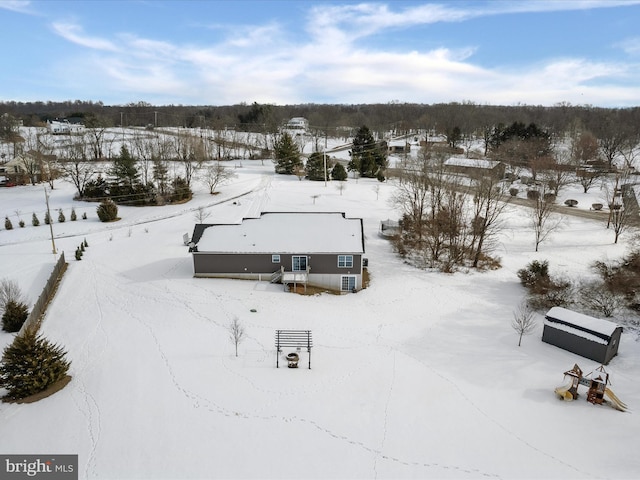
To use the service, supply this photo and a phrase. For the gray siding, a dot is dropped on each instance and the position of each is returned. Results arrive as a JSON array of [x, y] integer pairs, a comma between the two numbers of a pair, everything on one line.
[[582, 346], [243, 263]]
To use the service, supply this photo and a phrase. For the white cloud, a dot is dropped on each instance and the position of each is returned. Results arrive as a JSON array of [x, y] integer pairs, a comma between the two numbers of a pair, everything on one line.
[[630, 46], [74, 33], [20, 6], [267, 64]]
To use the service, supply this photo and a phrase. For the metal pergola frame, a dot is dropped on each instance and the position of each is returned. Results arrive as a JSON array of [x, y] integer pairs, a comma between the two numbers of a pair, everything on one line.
[[294, 339]]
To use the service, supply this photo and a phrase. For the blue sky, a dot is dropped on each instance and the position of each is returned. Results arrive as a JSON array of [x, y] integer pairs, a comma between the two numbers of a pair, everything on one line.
[[287, 52]]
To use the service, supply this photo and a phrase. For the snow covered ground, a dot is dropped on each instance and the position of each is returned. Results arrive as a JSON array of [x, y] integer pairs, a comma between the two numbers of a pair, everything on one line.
[[417, 376]]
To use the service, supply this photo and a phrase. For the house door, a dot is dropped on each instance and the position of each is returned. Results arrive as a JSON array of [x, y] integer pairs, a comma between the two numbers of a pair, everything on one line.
[[348, 283], [299, 263]]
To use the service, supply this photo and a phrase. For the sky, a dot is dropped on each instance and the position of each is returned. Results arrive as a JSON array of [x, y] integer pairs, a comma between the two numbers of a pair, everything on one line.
[[581, 52]]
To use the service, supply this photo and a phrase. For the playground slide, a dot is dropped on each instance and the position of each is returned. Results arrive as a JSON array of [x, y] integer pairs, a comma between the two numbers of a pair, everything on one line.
[[615, 401], [563, 392]]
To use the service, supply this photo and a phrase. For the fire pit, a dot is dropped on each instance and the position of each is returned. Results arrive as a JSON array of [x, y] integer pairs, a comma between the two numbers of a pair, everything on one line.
[[293, 359]]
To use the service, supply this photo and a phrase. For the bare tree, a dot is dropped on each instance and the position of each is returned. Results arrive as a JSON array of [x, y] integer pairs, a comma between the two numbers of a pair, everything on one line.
[[201, 214], [216, 175], [618, 217], [488, 205], [144, 149], [236, 332], [523, 321], [190, 151], [412, 192], [74, 164], [96, 128], [9, 292], [597, 297], [541, 215]]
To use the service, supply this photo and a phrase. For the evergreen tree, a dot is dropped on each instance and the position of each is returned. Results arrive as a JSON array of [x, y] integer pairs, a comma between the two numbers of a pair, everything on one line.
[[34, 220], [85, 243], [15, 313], [47, 218], [7, 223], [338, 172], [181, 190], [315, 167], [84, 215], [161, 176], [126, 176], [61, 217], [107, 211], [74, 217], [286, 155], [31, 364], [368, 156], [78, 254]]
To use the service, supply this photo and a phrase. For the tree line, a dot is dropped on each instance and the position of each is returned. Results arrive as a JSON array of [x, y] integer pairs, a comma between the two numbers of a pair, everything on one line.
[[451, 119]]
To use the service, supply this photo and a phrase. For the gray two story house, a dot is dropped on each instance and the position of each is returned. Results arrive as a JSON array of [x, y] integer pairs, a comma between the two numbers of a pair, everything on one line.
[[323, 249]]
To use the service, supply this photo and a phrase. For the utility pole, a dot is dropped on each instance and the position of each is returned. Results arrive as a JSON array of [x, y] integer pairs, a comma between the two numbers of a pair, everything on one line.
[[324, 158], [46, 199]]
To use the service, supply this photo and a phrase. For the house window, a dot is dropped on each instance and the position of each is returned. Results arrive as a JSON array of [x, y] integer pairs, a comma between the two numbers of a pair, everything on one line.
[[299, 263], [348, 283], [345, 261], [275, 258]]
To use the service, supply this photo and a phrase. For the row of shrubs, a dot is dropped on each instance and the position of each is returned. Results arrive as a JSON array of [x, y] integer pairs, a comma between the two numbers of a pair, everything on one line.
[[615, 291], [30, 364], [35, 221], [107, 211]]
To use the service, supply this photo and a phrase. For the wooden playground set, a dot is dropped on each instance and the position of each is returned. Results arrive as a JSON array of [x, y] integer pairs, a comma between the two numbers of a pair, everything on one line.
[[597, 383]]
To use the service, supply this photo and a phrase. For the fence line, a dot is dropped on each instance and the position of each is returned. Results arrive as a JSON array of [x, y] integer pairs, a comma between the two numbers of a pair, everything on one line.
[[41, 305]]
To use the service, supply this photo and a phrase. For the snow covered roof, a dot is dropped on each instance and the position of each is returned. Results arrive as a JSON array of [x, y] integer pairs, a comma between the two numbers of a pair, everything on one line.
[[471, 163], [571, 321], [286, 232]]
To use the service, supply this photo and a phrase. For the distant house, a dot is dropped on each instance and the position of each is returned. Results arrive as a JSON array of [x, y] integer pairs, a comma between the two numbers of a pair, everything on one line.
[[473, 166], [583, 335], [27, 167], [398, 146], [297, 125], [310, 248], [64, 127]]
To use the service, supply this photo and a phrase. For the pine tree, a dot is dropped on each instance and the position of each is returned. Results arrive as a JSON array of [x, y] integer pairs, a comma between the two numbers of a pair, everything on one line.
[[315, 167], [31, 364], [84, 215], [368, 156], [34, 220], [7, 223], [47, 218], [125, 172], [21, 223], [15, 313], [78, 254], [107, 211], [86, 244], [61, 217], [286, 155], [338, 172], [74, 217]]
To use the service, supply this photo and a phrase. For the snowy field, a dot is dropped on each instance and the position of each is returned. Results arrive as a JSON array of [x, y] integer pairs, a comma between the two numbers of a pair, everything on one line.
[[417, 376]]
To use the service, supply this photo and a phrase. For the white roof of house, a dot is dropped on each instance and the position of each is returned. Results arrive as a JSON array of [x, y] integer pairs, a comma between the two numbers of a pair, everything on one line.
[[300, 232], [471, 162], [596, 325]]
